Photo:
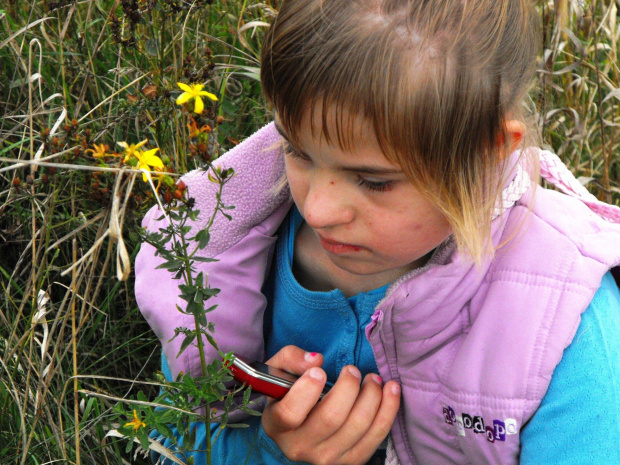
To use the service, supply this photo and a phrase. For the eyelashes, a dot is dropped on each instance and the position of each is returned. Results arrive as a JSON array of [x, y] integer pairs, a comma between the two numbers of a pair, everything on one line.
[[290, 151], [368, 184], [375, 186]]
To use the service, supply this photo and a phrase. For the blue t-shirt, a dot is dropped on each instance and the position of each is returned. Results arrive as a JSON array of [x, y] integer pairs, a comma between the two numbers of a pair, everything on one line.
[[325, 322], [578, 420]]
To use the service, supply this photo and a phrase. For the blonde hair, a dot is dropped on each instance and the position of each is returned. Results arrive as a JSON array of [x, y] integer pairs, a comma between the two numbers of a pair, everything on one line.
[[437, 80]]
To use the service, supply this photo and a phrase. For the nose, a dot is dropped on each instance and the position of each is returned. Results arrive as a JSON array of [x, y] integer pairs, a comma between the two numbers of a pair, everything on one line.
[[327, 203]]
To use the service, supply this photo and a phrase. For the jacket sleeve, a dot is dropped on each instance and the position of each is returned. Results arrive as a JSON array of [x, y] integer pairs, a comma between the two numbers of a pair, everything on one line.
[[243, 248]]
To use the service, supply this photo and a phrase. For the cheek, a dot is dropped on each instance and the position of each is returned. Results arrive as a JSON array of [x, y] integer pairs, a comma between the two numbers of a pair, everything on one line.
[[298, 185], [401, 233]]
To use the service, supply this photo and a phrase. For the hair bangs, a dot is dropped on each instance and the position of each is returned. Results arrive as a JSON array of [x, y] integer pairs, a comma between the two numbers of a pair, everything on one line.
[[340, 73]]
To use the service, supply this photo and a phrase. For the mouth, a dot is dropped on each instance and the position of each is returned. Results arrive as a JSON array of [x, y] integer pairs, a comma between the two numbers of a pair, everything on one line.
[[338, 248]]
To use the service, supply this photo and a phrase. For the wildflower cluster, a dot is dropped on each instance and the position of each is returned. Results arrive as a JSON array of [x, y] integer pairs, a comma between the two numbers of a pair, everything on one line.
[[178, 245]]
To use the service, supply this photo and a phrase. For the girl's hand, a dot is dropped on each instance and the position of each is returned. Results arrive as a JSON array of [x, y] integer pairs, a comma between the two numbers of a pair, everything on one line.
[[346, 427]]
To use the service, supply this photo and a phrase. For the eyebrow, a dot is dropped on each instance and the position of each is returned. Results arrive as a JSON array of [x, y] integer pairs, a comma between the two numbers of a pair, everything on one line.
[[363, 169]]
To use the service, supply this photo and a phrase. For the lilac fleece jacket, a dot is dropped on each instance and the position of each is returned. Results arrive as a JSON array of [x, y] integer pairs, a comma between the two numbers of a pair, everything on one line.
[[473, 348]]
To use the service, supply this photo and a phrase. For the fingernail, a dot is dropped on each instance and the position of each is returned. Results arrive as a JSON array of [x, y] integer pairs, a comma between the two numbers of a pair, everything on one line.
[[377, 379], [395, 389], [316, 373], [310, 356], [355, 372]]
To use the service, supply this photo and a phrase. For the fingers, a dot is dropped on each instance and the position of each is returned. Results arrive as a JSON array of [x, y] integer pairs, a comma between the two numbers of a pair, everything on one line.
[[346, 427], [290, 412], [386, 414], [366, 407], [295, 360], [335, 407], [380, 427]]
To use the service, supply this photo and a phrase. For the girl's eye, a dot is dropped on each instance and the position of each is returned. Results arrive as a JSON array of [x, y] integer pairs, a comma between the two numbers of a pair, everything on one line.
[[290, 151], [376, 186]]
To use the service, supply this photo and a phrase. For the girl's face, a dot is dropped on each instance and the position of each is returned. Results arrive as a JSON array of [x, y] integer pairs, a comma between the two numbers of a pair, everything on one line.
[[365, 214]]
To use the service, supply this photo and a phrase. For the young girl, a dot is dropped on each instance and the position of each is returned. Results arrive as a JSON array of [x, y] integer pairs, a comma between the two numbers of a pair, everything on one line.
[[461, 313]]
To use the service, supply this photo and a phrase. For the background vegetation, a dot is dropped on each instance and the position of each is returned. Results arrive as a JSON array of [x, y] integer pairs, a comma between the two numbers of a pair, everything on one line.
[[77, 75]]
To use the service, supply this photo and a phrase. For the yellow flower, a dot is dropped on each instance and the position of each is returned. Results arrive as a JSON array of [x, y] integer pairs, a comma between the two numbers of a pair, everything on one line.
[[146, 159], [194, 91], [101, 151], [131, 150], [136, 423]]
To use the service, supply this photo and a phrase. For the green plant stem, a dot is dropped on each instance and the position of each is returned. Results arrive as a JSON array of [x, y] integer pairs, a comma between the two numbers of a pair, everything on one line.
[[189, 281]]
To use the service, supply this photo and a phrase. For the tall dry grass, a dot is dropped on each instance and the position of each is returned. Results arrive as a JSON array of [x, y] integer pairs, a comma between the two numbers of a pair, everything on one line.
[[76, 76]]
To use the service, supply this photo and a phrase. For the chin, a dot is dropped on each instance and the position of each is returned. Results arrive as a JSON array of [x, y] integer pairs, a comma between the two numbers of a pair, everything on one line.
[[357, 267]]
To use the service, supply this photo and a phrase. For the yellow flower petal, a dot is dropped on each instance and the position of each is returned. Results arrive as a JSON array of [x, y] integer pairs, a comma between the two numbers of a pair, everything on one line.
[[151, 159], [184, 87], [136, 422], [184, 97], [198, 105], [209, 95]]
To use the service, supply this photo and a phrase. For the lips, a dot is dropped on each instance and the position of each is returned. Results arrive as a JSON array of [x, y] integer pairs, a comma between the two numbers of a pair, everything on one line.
[[338, 248]]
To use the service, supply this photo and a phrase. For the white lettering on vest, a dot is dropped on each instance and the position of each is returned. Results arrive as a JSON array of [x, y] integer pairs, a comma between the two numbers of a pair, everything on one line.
[[497, 430]]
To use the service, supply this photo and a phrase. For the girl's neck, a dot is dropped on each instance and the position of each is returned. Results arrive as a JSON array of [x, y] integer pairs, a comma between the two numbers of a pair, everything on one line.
[[316, 272]]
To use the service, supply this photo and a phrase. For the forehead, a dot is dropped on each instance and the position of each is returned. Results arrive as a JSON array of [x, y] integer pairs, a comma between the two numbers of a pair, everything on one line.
[[332, 124]]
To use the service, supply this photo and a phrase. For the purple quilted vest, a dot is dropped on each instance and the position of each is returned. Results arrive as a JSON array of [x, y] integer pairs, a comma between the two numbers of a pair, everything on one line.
[[473, 348]]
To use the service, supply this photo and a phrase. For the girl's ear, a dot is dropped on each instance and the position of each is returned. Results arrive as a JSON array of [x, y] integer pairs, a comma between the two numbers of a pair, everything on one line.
[[515, 132]]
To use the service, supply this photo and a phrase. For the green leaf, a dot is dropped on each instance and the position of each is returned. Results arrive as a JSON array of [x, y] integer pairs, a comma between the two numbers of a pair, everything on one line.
[[171, 265], [211, 340], [143, 436], [186, 342], [164, 429], [89, 406], [201, 318], [210, 292], [203, 238], [205, 259], [194, 307]]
